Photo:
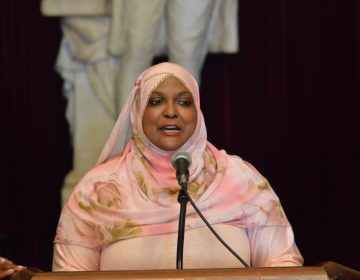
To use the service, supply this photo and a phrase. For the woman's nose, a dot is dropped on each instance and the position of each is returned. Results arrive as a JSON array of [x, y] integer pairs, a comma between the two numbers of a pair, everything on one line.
[[170, 110]]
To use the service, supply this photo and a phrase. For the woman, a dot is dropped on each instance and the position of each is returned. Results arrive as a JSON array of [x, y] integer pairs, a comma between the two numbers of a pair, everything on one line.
[[124, 212]]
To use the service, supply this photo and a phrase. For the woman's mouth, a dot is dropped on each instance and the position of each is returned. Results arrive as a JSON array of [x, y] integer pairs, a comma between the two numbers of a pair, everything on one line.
[[170, 130]]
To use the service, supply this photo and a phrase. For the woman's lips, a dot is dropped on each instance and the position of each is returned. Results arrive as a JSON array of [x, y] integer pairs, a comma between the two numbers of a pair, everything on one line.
[[170, 130]]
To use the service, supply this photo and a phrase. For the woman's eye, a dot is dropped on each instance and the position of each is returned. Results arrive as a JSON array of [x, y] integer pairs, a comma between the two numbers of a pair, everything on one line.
[[154, 101], [185, 102]]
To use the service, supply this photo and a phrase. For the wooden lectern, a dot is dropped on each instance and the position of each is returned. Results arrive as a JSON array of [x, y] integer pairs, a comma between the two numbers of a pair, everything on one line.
[[327, 271]]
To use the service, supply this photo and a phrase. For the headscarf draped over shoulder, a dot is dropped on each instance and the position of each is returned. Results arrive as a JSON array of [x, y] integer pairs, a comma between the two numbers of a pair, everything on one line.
[[132, 191]]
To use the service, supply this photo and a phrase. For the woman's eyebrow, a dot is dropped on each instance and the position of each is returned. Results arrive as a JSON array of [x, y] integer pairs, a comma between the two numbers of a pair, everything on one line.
[[157, 93], [181, 93]]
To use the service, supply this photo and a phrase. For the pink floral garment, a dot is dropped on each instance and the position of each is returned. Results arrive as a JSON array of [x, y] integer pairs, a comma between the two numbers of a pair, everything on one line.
[[132, 192]]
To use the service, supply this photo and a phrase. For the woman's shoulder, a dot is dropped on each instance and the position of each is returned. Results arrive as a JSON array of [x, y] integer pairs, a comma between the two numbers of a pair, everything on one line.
[[105, 168], [237, 162], [246, 172], [100, 173]]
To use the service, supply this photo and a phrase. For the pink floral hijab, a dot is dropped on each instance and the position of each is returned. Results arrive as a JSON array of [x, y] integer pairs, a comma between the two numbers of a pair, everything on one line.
[[132, 192]]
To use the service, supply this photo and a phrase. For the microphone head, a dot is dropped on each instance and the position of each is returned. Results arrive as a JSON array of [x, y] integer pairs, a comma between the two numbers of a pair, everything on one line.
[[180, 155]]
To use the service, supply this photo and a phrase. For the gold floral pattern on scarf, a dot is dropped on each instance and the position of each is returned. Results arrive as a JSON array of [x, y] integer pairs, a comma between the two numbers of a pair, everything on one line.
[[109, 195], [123, 231], [141, 182], [153, 192], [120, 230], [196, 189], [137, 139], [114, 230], [88, 208], [264, 185], [211, 167]]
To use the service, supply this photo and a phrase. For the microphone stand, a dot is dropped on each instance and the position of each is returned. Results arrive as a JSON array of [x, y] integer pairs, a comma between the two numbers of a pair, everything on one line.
[[183, 200]]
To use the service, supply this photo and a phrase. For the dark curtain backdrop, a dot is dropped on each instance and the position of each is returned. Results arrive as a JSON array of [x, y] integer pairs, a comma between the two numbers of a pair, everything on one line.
[[288, 102]]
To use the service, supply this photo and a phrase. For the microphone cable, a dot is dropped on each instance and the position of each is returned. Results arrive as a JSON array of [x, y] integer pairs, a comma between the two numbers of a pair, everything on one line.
[[212, 229]]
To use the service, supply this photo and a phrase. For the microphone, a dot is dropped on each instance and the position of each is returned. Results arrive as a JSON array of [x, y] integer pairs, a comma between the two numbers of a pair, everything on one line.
[[181, 161]]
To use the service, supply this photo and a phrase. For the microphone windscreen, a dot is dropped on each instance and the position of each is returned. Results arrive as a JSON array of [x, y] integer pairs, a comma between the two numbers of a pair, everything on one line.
[[180, 155]]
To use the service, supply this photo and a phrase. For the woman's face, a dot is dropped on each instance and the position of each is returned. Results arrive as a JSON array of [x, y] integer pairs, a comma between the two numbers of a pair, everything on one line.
[[170, 115]]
